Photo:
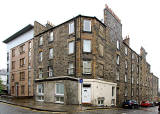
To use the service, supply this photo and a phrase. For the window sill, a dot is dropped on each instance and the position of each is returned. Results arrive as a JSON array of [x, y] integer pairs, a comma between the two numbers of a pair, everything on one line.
[[49, 59], [40, 100], [71, 34], [87, 52], [87, 74], [40, 45], [49, 42], [71, 54], [58, 102], [71, 74], [90, 32]]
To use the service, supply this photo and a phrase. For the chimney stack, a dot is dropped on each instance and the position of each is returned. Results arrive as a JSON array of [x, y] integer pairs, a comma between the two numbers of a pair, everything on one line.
[[127, 40]]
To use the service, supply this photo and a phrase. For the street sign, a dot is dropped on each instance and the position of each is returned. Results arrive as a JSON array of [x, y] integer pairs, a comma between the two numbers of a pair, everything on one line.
[[80, 80]]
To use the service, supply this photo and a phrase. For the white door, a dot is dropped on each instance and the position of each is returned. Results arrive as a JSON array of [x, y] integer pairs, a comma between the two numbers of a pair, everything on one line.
[[86, 94]]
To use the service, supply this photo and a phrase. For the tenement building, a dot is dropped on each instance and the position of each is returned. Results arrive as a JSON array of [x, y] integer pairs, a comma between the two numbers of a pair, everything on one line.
[[83, 61]]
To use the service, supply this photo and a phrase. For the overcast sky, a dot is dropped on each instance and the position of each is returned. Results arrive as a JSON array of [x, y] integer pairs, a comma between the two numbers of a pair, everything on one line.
[[140, 20]]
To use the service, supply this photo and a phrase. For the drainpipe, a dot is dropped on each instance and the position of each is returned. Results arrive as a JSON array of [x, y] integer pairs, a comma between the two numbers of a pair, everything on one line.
[[131, 74], [75, 25]]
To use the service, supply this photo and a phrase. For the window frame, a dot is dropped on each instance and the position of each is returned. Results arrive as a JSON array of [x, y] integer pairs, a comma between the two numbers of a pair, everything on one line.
[[87, 29], [40, 56], [126, 64], [13, 52], [118, 60], [51, 36], [84, 68], [22, 92], [70, 68], [125, 78], [50, 71], [117, 75], [70, 25], [40, 73], [69, 48], [51, 53], [118, 44], [126, 50], [59, 95], [85, 43], [40, 40], [42, 89]]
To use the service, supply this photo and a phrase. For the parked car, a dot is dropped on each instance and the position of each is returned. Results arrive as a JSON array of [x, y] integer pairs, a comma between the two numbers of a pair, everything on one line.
[[151, 103], [155, 103], [130, 104], [146, 104]]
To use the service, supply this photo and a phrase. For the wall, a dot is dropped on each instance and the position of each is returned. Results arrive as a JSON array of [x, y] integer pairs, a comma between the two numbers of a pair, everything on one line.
[[70, 91], [19, 40], [101, 89], [16, 71]]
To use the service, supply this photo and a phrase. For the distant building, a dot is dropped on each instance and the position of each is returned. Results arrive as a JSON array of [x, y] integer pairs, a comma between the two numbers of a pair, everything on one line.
[[3, 76]]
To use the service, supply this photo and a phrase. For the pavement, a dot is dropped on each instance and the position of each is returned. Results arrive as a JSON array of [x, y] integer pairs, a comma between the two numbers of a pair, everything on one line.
[[50, 107]]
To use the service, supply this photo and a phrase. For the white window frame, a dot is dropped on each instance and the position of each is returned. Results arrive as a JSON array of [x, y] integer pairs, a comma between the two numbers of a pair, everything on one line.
[[133, 56], [89, 67], [40, 56], [87, 25], [118, 44], [126, 50], [40, 74], [125, 78], [112, 102], [50, 71], [51, 36], [71, 47], [132, 67], [137, 81], [117, 75], [70, 68], [117, 61], [50, 53], [42, 89], [71, 27], [41, 40], [59, 94], [137, 69], [126, 64], [87, 45], [126, 92], [132, 79]]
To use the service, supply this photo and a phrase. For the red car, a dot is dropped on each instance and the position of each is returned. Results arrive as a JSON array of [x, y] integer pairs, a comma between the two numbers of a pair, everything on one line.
[[145, 103]]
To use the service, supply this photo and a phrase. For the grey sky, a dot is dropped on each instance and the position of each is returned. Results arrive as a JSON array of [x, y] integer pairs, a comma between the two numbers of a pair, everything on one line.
[[140, 20]]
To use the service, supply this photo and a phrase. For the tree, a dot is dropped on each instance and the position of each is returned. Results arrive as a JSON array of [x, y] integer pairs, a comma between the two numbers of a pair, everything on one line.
[[1, 86]]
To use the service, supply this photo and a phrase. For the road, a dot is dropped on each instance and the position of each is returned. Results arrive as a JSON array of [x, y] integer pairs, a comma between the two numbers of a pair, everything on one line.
[[11, 109]]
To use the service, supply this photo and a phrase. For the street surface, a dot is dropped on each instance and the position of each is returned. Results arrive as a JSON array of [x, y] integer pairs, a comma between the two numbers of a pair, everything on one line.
[[11, 109]]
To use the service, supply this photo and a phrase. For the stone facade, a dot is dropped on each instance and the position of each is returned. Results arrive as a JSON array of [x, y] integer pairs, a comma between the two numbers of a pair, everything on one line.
[[133, 70], [109, 58]]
